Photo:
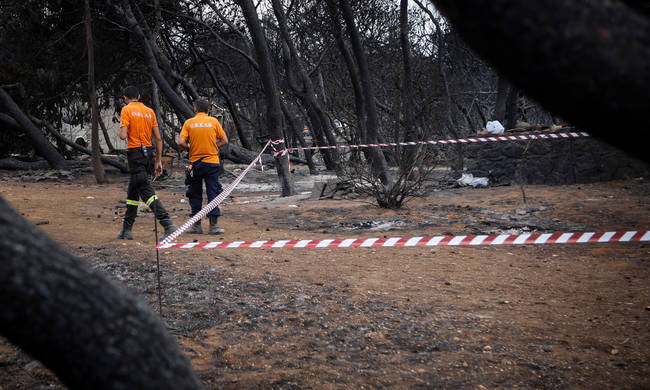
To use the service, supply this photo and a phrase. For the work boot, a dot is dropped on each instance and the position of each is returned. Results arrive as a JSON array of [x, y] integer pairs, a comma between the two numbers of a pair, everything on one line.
[[126, 233], [195, 228], [214, 229], [169, 227]]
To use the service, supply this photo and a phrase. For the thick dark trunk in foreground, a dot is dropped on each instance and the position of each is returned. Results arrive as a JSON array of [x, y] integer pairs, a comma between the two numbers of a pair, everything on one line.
[[42, 146], [587, 61], [91, 332]]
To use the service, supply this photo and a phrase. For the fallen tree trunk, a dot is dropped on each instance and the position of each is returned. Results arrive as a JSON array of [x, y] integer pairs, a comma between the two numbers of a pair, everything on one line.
[[92, 332], [13, 164], [8, 122], [42, 146], [299, 160], [239, 155], [106, 160]]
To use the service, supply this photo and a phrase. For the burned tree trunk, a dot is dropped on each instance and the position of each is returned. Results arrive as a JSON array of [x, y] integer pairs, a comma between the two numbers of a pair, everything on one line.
[[42, 146], [90, 331], [512, 108], [407, 101], [98, 168], [109, 144], [304, 88], [55, 133], [267, 73], [337, 30], [219, 85], [12, 164], [362, 83], [372, 122], [182, 108], [239, 155], [503, 88], [297, 132]]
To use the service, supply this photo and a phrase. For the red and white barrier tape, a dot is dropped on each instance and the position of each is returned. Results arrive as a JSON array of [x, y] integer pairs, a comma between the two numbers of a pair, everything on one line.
[[496, 239], [277, 153], [277, 141], [444, 141], [215, 202]]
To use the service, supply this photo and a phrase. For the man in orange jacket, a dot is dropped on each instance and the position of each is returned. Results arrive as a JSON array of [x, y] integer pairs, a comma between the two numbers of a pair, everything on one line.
[[202, 136], [138, 124]]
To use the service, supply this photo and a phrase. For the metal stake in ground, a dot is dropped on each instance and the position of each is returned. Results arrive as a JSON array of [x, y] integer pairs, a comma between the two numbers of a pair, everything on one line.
[[155, 229]]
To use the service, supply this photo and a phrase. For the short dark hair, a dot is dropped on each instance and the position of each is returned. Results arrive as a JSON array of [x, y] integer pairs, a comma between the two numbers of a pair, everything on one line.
[[131, 92], [201, 105]]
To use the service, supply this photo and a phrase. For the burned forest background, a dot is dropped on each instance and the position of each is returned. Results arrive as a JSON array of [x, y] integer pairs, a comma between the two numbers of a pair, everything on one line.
[[348, 72]]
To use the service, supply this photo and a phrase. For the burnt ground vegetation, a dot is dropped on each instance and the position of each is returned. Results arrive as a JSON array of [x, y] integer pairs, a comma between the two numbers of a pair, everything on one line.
[[547, 316]]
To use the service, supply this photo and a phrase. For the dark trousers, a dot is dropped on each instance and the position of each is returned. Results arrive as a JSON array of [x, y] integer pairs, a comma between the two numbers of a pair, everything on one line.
[[140, 166], [210, 174]]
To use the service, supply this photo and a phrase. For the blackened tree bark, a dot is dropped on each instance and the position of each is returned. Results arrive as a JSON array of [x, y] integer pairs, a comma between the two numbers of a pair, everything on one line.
[[337, 30], [267, 73], [59, 137], [503, 88], [181, 106], [12, 164], [372, 123], [239, 155], [589, 51], [505, 106], [220, 87], [410, 133], [8, 122], [157, 109], [458, 162], [42, 146], [296, 130], [304, 88], [512, 108], [107, 139], [167, 67], [91, 332], [155, 91], [98, 168]]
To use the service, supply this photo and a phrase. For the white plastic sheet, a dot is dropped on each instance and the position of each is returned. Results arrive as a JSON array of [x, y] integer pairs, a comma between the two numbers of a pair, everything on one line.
[[494, 127], [467, 179]]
